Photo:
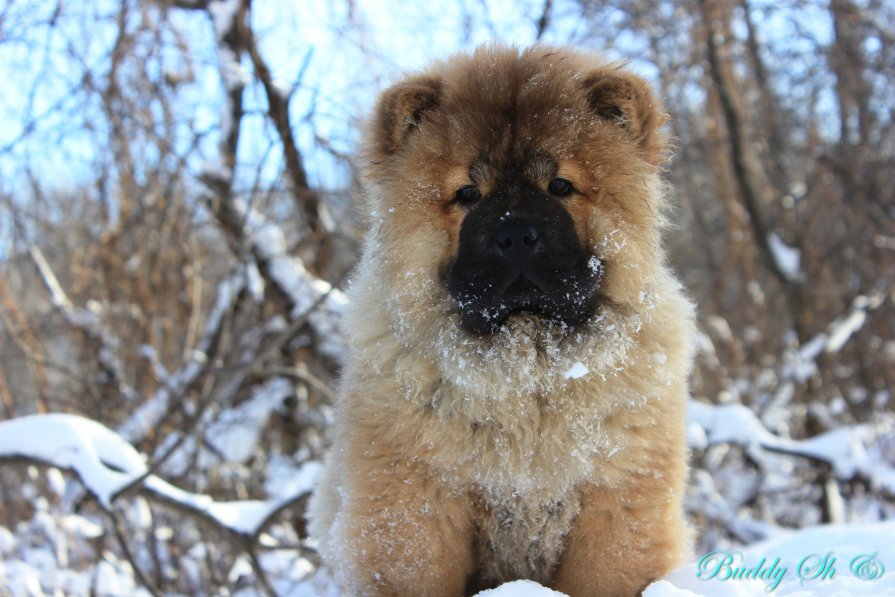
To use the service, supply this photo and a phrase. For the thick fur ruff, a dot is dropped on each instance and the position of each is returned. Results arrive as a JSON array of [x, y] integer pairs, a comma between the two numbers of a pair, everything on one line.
[[557, 454]]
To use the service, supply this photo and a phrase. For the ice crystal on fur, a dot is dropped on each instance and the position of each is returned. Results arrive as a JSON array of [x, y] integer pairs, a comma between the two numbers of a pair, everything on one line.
[[575, 371]]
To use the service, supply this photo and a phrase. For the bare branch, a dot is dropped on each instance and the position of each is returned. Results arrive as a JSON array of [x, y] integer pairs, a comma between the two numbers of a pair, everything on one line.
[[105, 344], [544, 21]]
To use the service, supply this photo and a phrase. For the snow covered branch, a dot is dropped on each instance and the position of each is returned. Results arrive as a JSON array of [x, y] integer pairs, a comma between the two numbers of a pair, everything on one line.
[[106, 464], [305, 298], [844, 454], [174, 386], [260, 244], [799, 365], [848, 451], [86, 320]]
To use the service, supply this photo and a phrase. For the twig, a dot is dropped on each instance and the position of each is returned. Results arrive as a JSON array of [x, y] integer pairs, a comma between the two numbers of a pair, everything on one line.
[[88, 323], [544, 20], [306, 376], [259, 571], [128, 554], [738, 152], [278, 112], [153, 412]]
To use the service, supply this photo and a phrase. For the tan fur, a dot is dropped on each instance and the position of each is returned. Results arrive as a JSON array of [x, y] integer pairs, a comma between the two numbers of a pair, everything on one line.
[[462, 461]]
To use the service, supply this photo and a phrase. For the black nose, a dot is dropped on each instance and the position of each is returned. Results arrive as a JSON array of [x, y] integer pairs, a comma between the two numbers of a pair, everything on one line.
[[516, 238]]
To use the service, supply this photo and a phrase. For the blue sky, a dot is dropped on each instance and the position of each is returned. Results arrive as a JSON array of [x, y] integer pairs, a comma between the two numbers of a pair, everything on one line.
[[350, 50], [350, 56]]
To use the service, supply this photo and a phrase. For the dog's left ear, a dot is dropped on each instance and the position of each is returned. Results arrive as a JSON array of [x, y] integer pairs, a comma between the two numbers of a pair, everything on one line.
[[628, 101]]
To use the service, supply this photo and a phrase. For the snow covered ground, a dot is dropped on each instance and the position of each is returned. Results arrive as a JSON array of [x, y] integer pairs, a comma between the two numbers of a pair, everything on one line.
[[829, 560], [841, 560], [833, 560], [824, 560], [53, 552]]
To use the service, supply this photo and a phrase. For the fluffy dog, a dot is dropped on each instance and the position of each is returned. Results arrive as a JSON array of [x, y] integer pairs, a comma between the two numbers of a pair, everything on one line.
[[514, 402]]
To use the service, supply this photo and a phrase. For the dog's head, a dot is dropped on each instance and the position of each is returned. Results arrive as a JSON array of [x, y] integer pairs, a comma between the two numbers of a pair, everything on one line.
[[517, 184]]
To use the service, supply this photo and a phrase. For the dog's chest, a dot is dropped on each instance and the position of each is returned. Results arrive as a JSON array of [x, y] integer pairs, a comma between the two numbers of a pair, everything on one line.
[[521, 536], [519, 445], [525, 460]]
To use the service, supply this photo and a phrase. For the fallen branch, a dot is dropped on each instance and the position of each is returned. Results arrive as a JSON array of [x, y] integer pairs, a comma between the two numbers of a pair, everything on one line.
[[105, 463]]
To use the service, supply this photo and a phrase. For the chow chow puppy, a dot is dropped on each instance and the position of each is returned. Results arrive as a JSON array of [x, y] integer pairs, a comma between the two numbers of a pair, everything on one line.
[[513, 405]]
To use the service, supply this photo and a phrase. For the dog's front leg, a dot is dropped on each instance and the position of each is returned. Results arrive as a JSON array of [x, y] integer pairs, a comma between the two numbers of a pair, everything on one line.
[[622, 540], [404, 532]]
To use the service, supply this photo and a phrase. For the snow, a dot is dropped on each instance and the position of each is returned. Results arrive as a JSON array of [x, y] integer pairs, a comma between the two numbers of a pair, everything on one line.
[[850, 451], [520, 588], [728, 423], [788, 259], [800, 569], [223, 13], [231, 434], [236, 432], [843, 330], [309, 296], [801, 364], [284, 479], [150, 413], [7, 541], [99, 456], [575, 371], [44, 558], [106, 464]]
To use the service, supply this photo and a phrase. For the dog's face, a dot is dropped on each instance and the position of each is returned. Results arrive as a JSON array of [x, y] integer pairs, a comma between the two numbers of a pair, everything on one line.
[[526, 182], [518, 248]]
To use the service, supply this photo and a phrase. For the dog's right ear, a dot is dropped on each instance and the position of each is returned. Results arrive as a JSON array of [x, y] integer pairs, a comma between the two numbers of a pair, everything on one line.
[[401, 110]]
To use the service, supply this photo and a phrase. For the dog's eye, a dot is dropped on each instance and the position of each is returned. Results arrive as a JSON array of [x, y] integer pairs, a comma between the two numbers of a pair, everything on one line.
[[468, 195], [559, 187]]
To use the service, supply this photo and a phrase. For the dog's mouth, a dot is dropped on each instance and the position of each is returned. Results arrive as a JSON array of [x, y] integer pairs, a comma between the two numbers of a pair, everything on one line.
[[519, 252], [568, 298], [522, 292]]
